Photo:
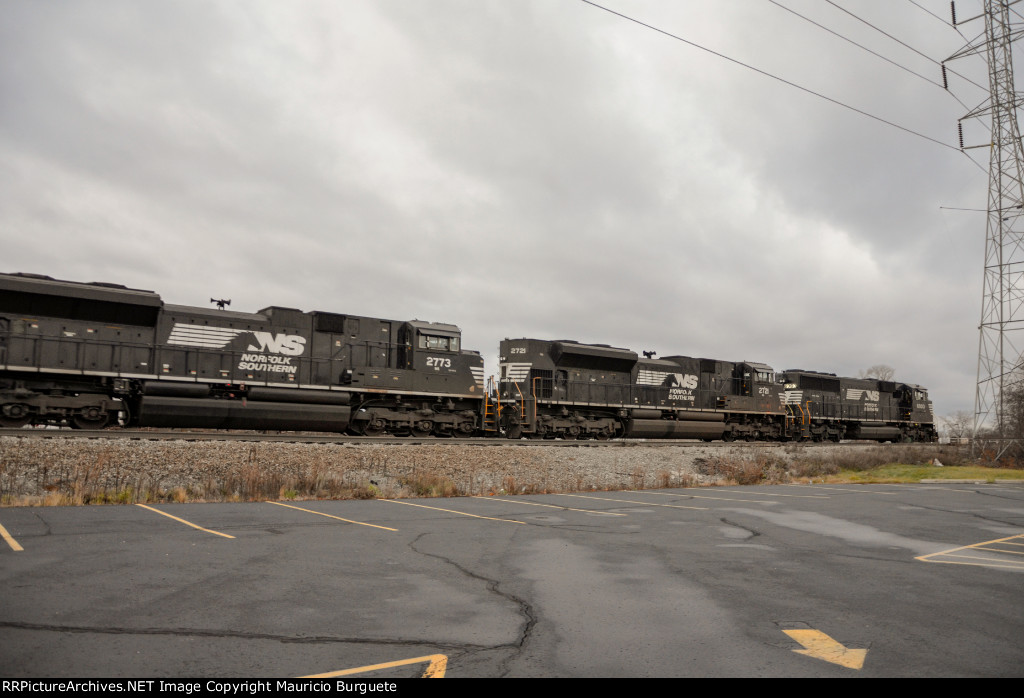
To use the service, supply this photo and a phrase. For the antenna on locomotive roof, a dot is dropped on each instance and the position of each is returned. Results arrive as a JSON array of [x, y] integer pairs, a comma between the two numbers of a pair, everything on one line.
[[221, 302], [649, 354]]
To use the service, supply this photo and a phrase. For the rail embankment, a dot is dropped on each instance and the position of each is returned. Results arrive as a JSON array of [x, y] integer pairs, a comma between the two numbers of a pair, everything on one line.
[[95, 471]]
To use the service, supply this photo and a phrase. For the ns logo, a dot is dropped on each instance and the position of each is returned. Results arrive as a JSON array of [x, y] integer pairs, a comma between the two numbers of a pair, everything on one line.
[[686, 381], [287, 344]]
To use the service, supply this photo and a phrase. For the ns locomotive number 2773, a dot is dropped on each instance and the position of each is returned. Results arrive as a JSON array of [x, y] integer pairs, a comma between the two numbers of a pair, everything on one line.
[[91, 354]]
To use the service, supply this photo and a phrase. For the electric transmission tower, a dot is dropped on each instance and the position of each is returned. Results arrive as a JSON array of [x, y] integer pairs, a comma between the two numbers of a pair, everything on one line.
[[1001, 341]]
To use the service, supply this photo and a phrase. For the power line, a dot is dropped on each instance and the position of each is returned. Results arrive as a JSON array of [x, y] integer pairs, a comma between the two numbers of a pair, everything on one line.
[[860, 46], [901, 43], [921, 7], [770, 75], [874, 53]]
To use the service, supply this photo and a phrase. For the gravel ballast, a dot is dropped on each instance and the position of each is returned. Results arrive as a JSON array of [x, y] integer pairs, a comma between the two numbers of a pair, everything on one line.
[[84, 470]]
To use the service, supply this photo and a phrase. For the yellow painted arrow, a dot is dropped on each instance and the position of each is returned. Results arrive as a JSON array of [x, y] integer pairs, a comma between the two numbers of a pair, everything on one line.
[[820, 646], [437, 664]]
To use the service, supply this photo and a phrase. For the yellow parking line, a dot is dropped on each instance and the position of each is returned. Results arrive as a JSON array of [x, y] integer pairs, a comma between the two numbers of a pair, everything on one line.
[[437, 664], [450, 511], [839, 489], [977, 564], [360, 523], [973, 545], [216, 533], [983, 560], [704, 496], [632, 501], [1000, 550], [553, 506], [960, 556], [10, 540], [780, 494], [983, 557]]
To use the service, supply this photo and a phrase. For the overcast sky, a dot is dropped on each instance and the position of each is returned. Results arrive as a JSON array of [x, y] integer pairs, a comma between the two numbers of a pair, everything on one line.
[[519, 168]]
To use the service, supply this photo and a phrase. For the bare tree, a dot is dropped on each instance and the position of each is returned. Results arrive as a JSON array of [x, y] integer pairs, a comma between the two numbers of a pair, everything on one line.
[[878, 372], [958, 425]]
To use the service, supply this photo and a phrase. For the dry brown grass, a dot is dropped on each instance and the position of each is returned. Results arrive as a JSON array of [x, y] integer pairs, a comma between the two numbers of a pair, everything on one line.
[[746, 470]]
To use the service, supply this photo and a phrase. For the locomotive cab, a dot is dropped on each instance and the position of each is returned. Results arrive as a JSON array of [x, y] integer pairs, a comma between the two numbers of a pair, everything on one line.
[[753, 379], [915, 413], [429, 345]]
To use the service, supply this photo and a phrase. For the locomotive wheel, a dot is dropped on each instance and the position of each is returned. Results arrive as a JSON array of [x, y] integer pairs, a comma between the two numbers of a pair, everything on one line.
[[728, 436], [374, 428], [14, 416], [514, 432], [423, 428], [90, 418], [80, 421]]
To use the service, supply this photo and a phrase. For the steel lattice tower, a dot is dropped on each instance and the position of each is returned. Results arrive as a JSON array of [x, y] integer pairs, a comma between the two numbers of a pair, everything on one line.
[[1001, 341]]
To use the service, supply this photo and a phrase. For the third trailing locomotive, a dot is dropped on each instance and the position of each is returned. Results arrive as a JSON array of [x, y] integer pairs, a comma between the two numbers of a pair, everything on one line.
[[94, 354]]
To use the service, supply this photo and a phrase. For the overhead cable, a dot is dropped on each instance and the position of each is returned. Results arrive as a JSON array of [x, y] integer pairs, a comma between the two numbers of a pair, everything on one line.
[[901, 43], [770, 75]]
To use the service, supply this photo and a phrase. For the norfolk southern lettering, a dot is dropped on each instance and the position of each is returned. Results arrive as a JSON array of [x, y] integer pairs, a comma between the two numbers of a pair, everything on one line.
[[271, 364], [289, 344]]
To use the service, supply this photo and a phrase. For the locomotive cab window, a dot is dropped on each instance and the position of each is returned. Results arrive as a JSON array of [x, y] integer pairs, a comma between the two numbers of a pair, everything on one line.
[[437, 343]]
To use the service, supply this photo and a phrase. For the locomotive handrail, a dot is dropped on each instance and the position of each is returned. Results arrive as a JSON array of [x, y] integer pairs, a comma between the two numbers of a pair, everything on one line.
[[492, 397], [522, 404]]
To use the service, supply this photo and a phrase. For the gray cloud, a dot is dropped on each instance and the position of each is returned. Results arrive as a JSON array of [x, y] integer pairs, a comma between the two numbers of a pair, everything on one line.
[[527, 168]]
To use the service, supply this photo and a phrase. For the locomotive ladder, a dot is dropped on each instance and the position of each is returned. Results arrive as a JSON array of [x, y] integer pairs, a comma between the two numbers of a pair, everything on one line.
[[802, 419], [492, 408]]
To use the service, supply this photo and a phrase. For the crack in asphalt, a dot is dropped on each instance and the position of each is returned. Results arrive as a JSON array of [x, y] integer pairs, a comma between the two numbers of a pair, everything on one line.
[[970, 513], [525, 609], [753, 532], [997, 495], [44, 522]]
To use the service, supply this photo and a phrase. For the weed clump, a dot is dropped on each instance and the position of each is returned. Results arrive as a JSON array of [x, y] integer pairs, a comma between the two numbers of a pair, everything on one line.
[[429, 485], [746, 470]]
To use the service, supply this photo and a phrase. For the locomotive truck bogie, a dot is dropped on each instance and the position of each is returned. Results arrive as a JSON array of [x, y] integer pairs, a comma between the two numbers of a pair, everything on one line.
[[27, 399]]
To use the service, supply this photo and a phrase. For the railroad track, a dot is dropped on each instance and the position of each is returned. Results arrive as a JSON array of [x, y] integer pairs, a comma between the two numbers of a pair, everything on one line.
[[300, 437]]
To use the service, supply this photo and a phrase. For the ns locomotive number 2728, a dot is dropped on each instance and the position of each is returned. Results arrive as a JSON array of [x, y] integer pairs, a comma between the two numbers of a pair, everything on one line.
[[91, 354]]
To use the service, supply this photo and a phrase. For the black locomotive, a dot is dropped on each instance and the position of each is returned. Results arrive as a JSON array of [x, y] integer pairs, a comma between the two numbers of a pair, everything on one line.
[[90, 355], [569, 390]]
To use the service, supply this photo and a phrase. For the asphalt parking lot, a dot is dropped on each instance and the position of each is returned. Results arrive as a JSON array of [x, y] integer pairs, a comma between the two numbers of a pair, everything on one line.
[[794, 580]]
